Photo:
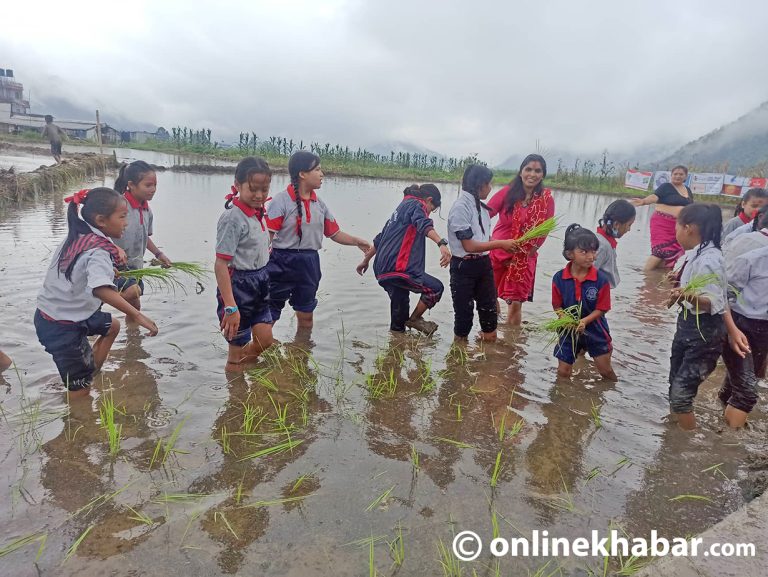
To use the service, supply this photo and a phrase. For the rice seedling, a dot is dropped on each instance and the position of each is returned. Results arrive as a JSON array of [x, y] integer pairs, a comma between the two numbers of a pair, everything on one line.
[[517, 426], [261, 377], [179, 497], [541, 230], [564, 326], [140, 517], [456, 443], [458, 411], [224, 436], [371, 560], [595, 472], [397, 548], [380, 499], [22, 542], [450, 564], [107, 411], [692, 498], [192, 518], [101, 499], [623, 462], [543, 570], [563, 503], [458, 354], [73, 548], [630, 566], [239, 492], [275, 449], [273, 502], [716, 469], [249, 416], [494, 523], [193, 269], [426, 377], [496, 470], [692, 291], [220, 515], [168, 446], [299, 482], [414, 458], [502, 429], [595, 414]]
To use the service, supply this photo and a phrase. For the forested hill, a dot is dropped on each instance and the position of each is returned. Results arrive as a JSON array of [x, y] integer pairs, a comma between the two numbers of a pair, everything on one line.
[[739, 145]]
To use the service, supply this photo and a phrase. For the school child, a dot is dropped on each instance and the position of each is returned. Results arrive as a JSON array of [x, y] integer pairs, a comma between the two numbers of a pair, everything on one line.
[[580, 283], [79, 280], [755, 237], [299, 220], [137, 181], [399, 265], [700, 335], [752, 201], [747, 324], [616, 222], [469, 233], [242, 254]]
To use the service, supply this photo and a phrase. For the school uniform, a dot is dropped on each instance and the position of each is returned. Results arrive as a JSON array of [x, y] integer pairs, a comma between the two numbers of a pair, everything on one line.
[[736, 233], [748, 273], [67, 310], [593, 293], [400, 260], [740, 220], [472, 281], [134, 239], [606, 260], [242, 240], [294, 266], [699, 338]]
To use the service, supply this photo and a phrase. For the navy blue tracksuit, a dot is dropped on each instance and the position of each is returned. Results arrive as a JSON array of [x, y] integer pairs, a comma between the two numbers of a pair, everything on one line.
[[399, 261]]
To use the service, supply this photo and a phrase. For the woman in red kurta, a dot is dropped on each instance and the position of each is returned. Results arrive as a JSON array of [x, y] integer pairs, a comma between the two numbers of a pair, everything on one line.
[[521, 205]]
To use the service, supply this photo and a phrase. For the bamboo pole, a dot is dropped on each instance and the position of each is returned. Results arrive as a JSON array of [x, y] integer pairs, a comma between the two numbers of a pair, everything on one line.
[[98, 132]]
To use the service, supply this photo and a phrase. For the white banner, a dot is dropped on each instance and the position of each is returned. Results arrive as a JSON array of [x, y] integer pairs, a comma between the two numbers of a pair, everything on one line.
[[637, 179], [661, 177], [706, 183]]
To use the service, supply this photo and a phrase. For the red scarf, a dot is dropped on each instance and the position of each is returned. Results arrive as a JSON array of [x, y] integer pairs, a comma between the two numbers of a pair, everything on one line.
[[86, 242], [606, 236]]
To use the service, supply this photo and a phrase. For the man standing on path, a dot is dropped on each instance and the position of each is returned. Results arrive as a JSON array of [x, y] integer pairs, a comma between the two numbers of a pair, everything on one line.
[[55, 136]]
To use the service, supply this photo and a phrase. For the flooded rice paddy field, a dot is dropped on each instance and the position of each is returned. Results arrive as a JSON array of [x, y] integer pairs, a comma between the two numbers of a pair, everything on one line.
[[348, 435]]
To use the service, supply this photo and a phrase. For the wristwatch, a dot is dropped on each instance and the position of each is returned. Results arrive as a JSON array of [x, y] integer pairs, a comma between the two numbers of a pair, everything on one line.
[[442, 242], [230, 310]]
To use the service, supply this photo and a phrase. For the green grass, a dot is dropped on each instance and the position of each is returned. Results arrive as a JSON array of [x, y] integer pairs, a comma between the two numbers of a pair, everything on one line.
[[450, 565], [414, 459], [22, 542], [397, 548], [168, 447], [455, 443], [273, 450], [73, 548], [595, 415], [140, 517], [220, 515]]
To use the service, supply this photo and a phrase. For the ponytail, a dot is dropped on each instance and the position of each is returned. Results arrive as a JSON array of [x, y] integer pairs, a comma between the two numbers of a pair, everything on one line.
[[475, 177], [708, 218], [620, 211], [133, 172], [423, 192], [101, 201]]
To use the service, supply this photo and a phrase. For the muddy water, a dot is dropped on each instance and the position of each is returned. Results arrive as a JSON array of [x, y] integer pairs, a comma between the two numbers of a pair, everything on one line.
[[184, 492]]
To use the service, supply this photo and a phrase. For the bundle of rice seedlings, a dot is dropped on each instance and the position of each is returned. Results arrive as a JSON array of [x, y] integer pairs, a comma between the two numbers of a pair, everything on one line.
[[541, 230], [193, 269], [695, 288], [565, 324], [156, 278]]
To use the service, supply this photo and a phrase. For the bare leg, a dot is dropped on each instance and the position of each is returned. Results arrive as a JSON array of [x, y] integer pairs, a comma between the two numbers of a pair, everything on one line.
[[564, 370], [515, 314], [488, 337], [653, 263], [603, 365], [262, 340], [104, 343], [419, 311], [133, 295], [686, 421], [735, 417], [305, 320], [5, 361]]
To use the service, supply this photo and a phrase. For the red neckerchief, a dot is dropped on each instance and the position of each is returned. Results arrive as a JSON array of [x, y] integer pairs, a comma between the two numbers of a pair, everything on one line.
[[606, 236], [250, 212], [421, 201], [744, 218], [135, 204], [312, 197], [86, 242]]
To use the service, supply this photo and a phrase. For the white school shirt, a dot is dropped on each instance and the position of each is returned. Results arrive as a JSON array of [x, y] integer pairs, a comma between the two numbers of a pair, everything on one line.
[[708, 261], [74, 301], [749, 275], [464, 223]]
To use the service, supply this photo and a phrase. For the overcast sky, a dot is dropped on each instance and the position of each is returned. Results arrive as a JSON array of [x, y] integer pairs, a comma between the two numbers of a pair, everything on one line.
[[454, 76]]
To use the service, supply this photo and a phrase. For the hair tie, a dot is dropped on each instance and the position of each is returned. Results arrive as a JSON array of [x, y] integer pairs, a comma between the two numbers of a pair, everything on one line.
[[232, 194], [79, 197]]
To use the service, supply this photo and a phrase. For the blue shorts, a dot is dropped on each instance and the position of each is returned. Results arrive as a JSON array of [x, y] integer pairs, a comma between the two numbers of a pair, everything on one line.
[[294, 276], [596, 340], [251, 291], [123, 283], [67, 342]]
